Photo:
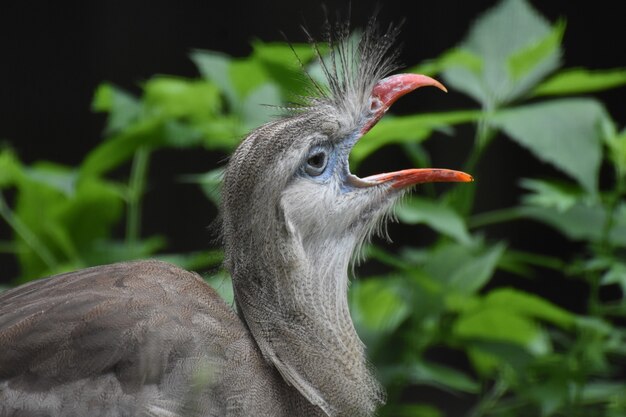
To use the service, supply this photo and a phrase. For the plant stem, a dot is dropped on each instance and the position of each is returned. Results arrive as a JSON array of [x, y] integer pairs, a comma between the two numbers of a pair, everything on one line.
[[462, 198], [605, 248], [494, 216], [136, 188], [26, 234], [489, 401]]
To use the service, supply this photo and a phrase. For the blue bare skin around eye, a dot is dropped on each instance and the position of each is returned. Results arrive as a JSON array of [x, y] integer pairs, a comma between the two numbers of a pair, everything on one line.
[[331, 155], [336, 166]]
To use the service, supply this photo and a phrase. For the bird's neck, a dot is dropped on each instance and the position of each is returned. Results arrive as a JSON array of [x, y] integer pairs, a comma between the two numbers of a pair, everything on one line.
[[297, 310]]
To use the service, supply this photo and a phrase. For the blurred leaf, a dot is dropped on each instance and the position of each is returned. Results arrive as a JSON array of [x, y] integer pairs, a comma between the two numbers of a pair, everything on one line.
[[550, 393], [261, 105], [210, 183], [195, 261], [123, 107], [411, 410], [490, 356], [282, 63], [221, 282], [580, 81], [431, 373], [455, 57], [436, 215], [551, 194], [90, 214], [616, 144], [529, 305], [616, 275], [524, 61], [517, 47], [121, 147], [246, 76], [403, 129], [499, 324], [377, 306], [178, 97], [562, 132], [462, 268], [581, 222], [603, 391], [216, 67], [55, 176], [223, 133], [106, 251], [66, 215], [10, 168]]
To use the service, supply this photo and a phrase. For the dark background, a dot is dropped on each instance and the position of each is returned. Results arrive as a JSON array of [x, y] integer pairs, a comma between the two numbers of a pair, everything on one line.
[[54, 54]]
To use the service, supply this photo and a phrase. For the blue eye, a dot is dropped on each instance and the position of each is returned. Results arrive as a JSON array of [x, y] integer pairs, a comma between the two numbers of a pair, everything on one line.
[[316, 163]]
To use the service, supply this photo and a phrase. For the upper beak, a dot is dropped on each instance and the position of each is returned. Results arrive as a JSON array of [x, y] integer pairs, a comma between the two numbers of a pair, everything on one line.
[[390, 89], [384, 94]]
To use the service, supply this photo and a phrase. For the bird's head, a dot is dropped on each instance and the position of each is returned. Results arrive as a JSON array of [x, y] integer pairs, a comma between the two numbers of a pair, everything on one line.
[[290, 180]]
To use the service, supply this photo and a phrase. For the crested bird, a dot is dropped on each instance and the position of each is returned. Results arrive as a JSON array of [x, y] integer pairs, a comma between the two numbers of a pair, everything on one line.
[[146, 338]]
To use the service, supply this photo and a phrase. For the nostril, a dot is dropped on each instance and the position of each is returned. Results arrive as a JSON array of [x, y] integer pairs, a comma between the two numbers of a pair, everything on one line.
[[375, 104]]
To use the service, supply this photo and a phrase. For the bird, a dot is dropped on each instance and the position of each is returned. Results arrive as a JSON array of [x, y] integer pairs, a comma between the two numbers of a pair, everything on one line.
[[147, 338]]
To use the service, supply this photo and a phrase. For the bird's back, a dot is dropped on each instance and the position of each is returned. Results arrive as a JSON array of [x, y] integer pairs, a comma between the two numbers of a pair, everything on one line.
[[129, 339]]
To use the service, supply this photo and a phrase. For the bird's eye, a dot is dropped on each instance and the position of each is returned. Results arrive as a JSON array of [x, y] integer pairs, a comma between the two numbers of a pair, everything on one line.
[[316, 164]]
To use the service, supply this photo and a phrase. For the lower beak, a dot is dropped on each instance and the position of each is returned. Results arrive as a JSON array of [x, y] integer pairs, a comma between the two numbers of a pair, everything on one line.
[[409, 177]]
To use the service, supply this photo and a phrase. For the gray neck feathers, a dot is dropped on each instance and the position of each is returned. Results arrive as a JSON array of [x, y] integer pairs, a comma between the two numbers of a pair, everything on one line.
[[291, 286], [290, 270]]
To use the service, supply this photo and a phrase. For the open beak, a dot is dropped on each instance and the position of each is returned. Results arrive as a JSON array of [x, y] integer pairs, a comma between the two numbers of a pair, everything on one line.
[[384, 94]]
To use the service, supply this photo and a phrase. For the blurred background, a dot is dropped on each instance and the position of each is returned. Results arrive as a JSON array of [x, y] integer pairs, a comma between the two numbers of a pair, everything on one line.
[[55, 56]]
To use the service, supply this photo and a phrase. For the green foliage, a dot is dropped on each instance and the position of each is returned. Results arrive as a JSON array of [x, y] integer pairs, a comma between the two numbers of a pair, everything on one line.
[[521, 353]]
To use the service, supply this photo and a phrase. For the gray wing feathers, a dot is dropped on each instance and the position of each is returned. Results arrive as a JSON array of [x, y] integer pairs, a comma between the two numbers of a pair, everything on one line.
[[137, 338]]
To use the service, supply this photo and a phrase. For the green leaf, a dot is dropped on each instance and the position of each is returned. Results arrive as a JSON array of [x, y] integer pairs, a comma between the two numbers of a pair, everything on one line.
[[462, 268], [411, 410], [565, 133], [195, 100], [65, 214], [421, 372], [216, 67], [261, 105], [499, 324], [54, 176], [221, 282], [580, 81], [195, 261], [404, 129], [453, 58], [616, 144], [123, 107], [210, 183], [247, 75], [106, 251], [517, 48], [121, 147], [378, 306], [526, 60], [582, 222], [436, 215], [616, 275], [283, 65], [10, 169], [529, 305], [558, 195]]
